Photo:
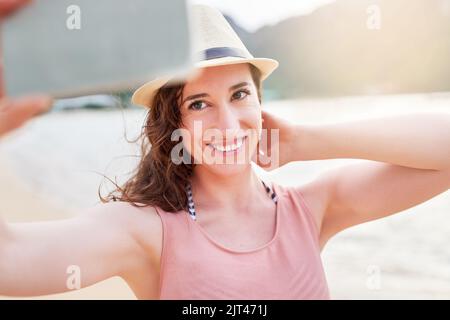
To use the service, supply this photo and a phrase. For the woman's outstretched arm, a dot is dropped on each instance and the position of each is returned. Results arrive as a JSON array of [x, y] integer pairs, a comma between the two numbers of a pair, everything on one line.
[[49, 257]]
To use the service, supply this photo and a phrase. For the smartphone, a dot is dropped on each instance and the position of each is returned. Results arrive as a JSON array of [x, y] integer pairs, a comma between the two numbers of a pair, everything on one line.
[[70, 48]]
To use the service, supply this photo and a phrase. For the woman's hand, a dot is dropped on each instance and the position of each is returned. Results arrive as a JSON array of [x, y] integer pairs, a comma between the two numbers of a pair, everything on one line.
[[15, 112], [278, 141]]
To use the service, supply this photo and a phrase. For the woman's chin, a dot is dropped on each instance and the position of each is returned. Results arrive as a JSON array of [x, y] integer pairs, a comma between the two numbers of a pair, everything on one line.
[[227, 169]]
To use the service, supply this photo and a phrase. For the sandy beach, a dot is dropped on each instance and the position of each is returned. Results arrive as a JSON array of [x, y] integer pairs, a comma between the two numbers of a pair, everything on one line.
[[52, 168]]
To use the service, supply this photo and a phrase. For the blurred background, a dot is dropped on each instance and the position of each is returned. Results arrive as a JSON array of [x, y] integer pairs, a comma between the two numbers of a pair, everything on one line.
[[339, 60]]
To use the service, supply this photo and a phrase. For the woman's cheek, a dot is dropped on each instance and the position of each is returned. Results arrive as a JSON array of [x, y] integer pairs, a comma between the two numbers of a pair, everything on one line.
[[192, 140]]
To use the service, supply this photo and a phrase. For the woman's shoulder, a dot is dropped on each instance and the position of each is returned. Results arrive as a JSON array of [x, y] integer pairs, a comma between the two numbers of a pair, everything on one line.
[[141, 221], [309, 195], [122, 211]]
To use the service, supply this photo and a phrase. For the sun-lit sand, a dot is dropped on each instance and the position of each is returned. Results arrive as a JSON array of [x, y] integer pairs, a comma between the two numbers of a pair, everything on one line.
[[51, 169]]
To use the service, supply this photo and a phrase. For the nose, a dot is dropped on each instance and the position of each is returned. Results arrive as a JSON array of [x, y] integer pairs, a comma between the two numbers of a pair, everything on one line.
[[227, 118]]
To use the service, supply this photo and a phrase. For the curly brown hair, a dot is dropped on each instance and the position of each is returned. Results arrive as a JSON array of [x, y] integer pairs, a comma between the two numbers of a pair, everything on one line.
[[157, 180]]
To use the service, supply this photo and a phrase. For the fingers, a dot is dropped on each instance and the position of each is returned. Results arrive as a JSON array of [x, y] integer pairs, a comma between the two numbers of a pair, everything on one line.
[[14, 113], [268, 120], [9, 6]]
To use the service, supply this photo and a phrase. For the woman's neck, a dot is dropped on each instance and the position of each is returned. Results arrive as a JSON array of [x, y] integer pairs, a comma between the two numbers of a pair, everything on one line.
[[226, 191]]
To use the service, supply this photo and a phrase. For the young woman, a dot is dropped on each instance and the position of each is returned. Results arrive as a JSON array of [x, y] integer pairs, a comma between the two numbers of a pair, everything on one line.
[[208, 227]]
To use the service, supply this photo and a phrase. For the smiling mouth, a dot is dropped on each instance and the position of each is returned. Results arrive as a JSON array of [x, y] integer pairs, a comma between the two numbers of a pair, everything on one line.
[[229, 148]]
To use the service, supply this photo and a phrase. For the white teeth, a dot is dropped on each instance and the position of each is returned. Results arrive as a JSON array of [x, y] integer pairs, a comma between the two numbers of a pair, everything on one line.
[[230, 147]]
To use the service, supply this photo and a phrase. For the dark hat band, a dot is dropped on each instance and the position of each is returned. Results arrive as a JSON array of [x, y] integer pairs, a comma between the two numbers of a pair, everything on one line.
[[221, 52]]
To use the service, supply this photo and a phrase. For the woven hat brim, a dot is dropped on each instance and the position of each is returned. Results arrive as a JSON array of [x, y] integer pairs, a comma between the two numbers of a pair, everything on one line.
[[144, 95]]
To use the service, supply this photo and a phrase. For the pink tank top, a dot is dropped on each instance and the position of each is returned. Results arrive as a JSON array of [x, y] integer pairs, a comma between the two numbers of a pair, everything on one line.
[[195, 266]]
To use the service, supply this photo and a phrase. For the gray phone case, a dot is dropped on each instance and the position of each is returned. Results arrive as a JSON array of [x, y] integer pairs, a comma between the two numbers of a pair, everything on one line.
[[77, 47]]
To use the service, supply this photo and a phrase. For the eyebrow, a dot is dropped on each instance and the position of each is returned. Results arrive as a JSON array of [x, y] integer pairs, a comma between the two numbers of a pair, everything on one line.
[[203, 95]]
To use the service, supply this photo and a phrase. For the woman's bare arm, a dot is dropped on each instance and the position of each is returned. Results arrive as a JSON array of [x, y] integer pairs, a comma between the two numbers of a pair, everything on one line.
[[52, 257], [370, 190], [420, 141], [409, 164]]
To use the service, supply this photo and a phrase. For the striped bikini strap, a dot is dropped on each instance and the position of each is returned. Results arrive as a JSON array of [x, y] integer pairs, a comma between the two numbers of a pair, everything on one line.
[[190, 202], [191, 206], [271, 193]]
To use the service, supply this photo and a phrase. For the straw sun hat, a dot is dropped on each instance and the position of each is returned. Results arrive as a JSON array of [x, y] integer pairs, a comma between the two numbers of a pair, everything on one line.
[[216, 44]]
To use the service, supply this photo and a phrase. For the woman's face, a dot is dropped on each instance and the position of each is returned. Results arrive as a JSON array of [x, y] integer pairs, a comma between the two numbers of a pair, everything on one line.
[[222, 116]]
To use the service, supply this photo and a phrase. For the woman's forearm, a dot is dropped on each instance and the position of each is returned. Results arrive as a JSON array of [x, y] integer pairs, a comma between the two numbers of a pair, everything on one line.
[[420, 141]]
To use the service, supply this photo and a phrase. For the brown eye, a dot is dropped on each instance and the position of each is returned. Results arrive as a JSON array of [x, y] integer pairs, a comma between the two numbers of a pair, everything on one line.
[[241, 94]]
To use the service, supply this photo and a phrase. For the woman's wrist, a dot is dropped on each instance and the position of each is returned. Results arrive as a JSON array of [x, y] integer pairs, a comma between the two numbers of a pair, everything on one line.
[[308, 142], [298, 146]]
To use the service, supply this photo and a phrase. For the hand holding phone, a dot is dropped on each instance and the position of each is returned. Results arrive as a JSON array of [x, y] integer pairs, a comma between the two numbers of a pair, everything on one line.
[[15, 112], [71, 48]]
